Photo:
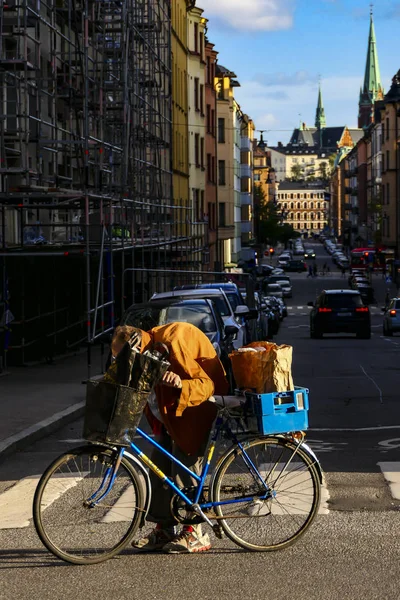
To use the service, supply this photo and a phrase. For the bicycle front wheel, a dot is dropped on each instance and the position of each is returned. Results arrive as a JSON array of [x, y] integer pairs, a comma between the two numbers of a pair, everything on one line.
[[67, 521], [253, 521]]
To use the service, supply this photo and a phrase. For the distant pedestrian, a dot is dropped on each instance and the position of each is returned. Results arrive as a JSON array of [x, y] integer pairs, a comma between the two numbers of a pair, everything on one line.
[[387, 300], [324, 268], [384, 271], [315, 272], [343, 272], [310, 271]]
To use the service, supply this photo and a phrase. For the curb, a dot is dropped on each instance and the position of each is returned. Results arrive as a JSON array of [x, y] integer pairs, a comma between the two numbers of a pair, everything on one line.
[[39, 430]]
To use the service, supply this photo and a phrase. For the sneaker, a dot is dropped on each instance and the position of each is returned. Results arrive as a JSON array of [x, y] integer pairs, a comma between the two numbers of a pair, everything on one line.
[[156, 540], [187, 541]]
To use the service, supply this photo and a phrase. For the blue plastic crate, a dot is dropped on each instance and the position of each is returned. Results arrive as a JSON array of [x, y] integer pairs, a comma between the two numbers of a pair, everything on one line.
[[280, 412]]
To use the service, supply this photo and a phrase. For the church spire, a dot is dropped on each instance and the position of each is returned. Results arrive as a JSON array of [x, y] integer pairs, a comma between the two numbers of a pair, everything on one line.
[[372, 77], [320, 121], [372, 89]]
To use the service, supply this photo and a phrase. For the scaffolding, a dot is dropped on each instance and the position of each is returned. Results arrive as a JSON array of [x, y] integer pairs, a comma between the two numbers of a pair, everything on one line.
[[85, 168]]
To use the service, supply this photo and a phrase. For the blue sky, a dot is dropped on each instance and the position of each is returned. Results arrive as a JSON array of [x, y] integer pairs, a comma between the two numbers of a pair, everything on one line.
[[279, 48]]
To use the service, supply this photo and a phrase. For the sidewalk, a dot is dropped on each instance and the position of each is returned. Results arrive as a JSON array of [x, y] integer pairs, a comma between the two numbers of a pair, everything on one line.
[[37, 400]]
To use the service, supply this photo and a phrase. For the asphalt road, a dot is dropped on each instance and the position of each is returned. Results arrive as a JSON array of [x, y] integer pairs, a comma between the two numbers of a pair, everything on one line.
[[352, 550]]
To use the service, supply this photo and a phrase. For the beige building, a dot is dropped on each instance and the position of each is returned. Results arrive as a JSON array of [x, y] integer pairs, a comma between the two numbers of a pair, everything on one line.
[[197, 130], [303, 206], [228, 162]]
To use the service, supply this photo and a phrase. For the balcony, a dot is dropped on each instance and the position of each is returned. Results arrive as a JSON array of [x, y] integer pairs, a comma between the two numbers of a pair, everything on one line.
[[245, 144], [246, 227], [245, 171], [245, 199]]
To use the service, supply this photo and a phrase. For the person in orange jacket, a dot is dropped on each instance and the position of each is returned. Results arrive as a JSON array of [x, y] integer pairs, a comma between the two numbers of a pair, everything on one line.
[[181, 418]]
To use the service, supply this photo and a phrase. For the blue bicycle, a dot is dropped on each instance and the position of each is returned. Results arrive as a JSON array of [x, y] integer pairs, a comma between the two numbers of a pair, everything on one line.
[[263, 492]]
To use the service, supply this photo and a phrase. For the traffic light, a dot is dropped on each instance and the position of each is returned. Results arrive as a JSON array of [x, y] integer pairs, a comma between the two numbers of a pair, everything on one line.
[[271, 251]]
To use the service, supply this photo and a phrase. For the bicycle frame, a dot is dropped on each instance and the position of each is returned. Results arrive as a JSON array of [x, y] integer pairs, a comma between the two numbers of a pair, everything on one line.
[[221, 423]]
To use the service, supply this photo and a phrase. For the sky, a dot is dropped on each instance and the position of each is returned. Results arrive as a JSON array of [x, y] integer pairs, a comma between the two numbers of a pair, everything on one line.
[[280, 48]]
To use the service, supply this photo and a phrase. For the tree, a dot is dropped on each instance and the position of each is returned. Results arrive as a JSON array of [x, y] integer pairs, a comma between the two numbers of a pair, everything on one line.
[[297, 173], [270, 228]]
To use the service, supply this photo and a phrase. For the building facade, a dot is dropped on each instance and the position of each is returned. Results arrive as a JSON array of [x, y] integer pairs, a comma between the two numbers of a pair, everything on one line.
[[247, 253], [180, 123], [215, 249], [196, 136], [303, 206], [228, 162]]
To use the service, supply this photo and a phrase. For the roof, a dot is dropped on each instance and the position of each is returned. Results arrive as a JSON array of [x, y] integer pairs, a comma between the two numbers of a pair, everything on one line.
[[347, 292], [186, 293], [298, 185]]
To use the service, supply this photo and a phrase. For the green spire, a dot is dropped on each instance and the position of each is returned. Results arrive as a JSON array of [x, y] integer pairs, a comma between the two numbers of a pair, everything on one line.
[[320, 121], [372, 78]]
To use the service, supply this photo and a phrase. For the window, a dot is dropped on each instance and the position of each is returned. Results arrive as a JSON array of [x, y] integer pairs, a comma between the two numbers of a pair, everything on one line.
[[312, 205], [202, 99], [208, 118], [387, 128], [221, 172], [304, 204], [196, 93], [196, 37], [197, 149], [318, 205], [213, 169], [201, 45], [257, 177], [387, 193], [383, 195], [202, 152], [383, 162], [298, 216], [298, 205], [387, 160], [196, 207], [221, 131], [221, 212], [209, 80], [213, 122], [209, 167], [318, 217]]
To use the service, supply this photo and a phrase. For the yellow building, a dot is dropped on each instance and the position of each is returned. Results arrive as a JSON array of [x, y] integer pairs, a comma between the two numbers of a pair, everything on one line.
[[228, 164], [197, 131], [180, 158]]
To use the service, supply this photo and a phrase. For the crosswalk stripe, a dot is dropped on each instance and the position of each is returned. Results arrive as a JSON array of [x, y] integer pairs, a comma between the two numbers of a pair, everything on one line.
[[391, 472], [16, 502]]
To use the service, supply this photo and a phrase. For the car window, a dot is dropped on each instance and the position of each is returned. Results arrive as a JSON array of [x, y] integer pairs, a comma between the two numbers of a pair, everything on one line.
[[341, 300], [144, 318], [233, 299], [200, 316]]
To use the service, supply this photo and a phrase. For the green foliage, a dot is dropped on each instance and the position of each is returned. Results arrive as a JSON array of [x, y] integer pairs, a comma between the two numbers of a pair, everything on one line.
[[297, 173], [271, 229]]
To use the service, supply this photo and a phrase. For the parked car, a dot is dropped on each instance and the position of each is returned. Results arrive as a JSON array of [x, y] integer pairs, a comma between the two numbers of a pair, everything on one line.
[[337, 311], [200, 312], [391, 318], [283, 280], [295, 266], [284, 259], [231, 316], [273, 289]]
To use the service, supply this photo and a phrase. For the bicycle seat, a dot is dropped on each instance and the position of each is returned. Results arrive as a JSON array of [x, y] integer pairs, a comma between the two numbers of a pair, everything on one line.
[[227, 401]]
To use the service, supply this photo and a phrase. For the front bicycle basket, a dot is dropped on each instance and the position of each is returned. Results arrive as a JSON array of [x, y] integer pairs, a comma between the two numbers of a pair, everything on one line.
[[112, 412]]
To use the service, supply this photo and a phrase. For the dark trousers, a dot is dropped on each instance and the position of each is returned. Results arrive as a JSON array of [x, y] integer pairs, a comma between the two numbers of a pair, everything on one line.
[[160, 511]]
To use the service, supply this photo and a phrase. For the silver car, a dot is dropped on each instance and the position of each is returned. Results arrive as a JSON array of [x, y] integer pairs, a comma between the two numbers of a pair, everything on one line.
[[224, 307], [391, 318]]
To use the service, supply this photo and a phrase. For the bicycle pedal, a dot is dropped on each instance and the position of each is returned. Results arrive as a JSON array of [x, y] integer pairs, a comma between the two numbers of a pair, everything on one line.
[[218, 531]]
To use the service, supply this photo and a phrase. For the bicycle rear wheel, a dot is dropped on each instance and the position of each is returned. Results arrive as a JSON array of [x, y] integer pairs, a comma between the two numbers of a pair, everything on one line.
[[271, 524], [66, 522]]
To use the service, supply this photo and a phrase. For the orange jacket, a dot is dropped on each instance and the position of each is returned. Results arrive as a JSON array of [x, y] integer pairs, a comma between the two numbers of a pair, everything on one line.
[[186, 415]]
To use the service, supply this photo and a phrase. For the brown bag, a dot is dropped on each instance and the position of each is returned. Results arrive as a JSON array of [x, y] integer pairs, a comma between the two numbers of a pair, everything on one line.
[[268, 369]]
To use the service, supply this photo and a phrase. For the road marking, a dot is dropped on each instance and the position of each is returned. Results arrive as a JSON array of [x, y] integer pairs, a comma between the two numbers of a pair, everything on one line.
[[16, 503], [391, 472], [374, 382]]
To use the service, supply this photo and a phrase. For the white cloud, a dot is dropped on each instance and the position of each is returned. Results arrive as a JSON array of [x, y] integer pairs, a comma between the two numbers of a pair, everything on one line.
[[254, 15]]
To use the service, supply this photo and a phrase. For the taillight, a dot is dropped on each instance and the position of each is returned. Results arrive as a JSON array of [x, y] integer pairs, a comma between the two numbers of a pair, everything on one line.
[[392, 313], [324, 310], [362, 309]]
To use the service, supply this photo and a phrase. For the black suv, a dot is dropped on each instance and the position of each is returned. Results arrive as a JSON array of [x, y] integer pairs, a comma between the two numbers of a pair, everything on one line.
[[337, 311]]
